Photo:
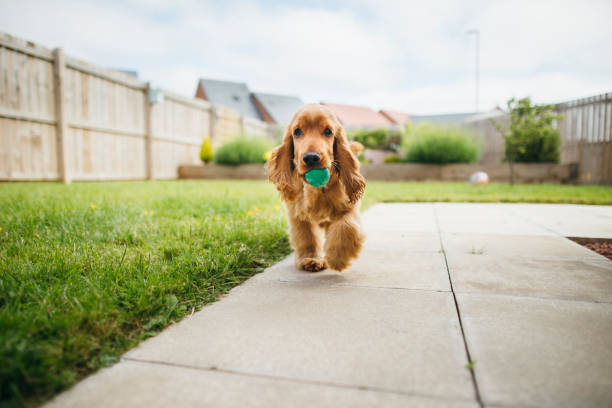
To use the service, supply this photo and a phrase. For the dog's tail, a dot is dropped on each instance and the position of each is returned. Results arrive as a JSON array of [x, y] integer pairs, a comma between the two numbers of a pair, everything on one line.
[[356, 148]]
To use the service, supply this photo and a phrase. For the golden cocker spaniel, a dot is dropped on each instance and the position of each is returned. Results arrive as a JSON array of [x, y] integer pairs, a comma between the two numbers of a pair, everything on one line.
[[315, 139]]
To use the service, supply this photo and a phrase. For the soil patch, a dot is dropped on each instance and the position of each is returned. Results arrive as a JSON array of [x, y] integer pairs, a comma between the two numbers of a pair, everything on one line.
[[602, 246]]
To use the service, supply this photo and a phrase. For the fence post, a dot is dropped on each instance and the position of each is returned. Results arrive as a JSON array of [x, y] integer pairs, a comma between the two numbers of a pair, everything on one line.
[[148, 117], [61, 123]]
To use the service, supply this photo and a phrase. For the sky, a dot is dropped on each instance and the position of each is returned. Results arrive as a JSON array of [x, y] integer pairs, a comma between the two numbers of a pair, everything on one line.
[[408, 56]]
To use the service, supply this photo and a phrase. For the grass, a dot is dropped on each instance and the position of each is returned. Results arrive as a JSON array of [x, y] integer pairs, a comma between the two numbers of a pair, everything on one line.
[[89, 270], [494, 192]]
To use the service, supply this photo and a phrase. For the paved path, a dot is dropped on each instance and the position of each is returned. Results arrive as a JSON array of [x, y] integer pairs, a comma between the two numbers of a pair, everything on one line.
[[437, 285]]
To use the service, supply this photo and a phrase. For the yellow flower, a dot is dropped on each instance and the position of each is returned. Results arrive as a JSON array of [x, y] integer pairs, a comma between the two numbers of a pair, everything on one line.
[[277, 207], [93, 206], [0, 228], [217, 218], [152, 213], [256, 209], [249, 213], [267, 155], [146, 213]]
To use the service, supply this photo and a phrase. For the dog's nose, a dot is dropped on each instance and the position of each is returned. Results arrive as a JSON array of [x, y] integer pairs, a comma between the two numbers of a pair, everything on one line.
[[311, 158]]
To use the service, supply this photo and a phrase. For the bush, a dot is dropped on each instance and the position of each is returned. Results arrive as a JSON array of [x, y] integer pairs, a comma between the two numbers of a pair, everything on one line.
[[428, 143], [531, 137], [394, 158], [206, 152], [242, 150], [381, 138]]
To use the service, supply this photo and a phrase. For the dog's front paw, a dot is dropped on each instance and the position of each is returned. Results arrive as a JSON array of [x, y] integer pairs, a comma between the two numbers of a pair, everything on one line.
[[312, 264]]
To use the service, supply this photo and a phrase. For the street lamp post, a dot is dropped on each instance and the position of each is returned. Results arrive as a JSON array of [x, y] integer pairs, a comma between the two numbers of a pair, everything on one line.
[[476, 33]]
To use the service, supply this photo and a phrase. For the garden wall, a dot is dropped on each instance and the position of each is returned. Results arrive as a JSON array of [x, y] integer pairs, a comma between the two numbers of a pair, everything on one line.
[[65, 119], [524, 173]]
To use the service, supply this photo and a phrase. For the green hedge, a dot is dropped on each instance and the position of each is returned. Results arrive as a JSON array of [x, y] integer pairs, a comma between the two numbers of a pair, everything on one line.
[[242, 150], [428, 143], [381, 138]]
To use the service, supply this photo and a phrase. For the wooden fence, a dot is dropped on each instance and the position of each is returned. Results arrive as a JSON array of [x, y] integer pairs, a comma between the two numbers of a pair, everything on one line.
[[65, 119], [586, 134]]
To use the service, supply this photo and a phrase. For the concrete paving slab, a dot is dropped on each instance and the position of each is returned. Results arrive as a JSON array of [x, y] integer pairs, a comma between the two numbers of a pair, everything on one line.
[[492, 219], [396, 340], [386, 332], [144, 385], [539, 352], [411, 219], [402, 241], [592, 221], [539, 266], [375, 268]]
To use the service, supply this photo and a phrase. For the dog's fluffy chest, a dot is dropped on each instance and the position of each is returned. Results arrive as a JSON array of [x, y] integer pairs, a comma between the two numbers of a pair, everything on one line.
[[321, 205]]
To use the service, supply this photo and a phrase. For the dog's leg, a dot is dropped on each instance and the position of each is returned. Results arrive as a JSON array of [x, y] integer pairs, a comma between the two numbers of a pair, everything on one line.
[[343, 241], [306, 240]]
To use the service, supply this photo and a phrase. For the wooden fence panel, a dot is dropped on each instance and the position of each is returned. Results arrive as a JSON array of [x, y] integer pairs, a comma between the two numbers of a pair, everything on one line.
[[179, 127], [105, 156], [27, 150], [27, 132], [168, 156], [106, 121], [227, 125], [93, 102]]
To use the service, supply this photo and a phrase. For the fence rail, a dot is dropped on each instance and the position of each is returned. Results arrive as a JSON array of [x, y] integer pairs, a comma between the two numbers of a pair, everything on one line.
[[65, 119], [586, 135]]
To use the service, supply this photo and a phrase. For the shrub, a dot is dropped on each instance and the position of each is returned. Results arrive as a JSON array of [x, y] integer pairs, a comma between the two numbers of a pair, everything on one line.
[[394, 158], [428, 143], [381, 138], [206, 152], [242, 150], [531, 137]]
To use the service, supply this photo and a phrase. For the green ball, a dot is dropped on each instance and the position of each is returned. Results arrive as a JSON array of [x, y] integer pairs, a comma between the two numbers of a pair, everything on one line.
[[317, 177]]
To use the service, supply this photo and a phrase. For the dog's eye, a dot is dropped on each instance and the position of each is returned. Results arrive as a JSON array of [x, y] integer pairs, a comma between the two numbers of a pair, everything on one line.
[[327, 132], [297, 132]]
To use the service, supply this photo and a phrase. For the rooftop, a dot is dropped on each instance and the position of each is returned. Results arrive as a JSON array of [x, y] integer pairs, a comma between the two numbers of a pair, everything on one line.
[[279, 107], [357, 116], [235, 95]]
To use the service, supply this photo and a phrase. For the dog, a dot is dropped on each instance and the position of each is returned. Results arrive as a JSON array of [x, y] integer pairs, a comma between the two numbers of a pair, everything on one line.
[[315, 139]]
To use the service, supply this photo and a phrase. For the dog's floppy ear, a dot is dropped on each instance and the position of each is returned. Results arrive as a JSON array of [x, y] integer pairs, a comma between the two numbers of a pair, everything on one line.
[[281, 170], [347, 167]]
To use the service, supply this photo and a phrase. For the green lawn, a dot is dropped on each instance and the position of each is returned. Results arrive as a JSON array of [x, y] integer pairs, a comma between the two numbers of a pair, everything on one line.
[[91, 269], [495, 192]]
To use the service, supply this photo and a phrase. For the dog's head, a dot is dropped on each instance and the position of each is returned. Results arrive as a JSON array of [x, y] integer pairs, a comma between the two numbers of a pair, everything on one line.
[[314, 139]]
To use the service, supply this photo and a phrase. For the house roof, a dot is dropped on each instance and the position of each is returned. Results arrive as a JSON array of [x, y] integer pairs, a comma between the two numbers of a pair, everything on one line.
[[357, 116], [235, 95], [398, 118], [443, 119], [280, 107]]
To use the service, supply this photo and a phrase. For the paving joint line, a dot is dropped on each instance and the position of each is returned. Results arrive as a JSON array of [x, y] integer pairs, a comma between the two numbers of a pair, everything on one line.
[[213, 369], [450, 281], [342, 285], [563, 299]]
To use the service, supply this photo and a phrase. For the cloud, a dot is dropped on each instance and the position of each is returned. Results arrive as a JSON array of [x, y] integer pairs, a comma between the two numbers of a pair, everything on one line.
[[412, 56]]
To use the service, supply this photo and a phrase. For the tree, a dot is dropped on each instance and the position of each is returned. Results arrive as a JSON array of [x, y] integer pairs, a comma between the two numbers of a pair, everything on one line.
[[206, 152], [531, 136]]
